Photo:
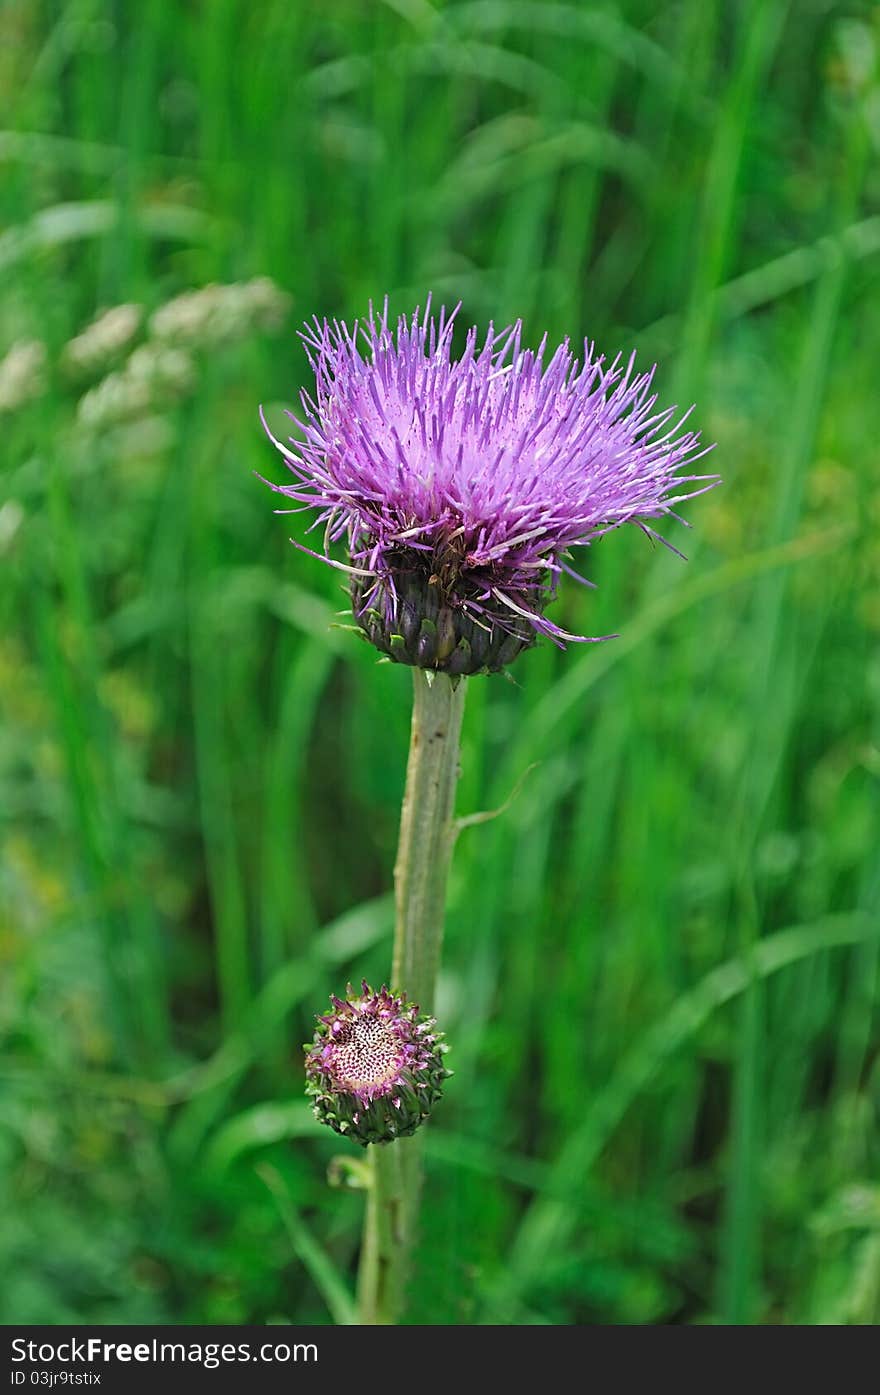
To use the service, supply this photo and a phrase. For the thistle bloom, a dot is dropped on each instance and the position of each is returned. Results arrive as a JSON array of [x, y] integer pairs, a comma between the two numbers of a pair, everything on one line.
[[463, 485], [375, 1067]]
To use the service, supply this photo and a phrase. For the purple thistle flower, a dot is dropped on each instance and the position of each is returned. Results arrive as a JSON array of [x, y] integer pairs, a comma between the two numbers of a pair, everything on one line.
[[463, 485], [375, 1067]]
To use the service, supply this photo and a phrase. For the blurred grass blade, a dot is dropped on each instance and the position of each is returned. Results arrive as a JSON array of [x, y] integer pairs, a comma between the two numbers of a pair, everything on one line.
[[323, 1271], [548, 1221], [258, 1127], [67, 223]]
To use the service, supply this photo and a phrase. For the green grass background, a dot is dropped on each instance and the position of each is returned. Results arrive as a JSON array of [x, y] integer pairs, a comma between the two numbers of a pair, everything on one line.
[[661, 967]]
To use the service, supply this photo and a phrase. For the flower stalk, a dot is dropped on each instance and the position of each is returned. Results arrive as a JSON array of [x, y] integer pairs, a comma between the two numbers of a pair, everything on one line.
[[427, 834]]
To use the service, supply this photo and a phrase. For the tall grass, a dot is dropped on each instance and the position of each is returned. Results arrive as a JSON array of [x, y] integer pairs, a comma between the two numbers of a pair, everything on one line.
[[661, 973]]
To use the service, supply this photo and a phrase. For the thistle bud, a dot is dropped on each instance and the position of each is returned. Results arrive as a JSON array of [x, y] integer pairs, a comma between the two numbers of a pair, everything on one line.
[[375, 1067]]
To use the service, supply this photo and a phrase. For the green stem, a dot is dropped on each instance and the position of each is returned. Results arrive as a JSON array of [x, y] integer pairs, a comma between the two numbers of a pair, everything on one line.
[[423, 854]]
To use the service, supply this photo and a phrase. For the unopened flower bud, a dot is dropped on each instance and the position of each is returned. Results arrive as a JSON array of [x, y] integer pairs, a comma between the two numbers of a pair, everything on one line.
[[375, 1067]]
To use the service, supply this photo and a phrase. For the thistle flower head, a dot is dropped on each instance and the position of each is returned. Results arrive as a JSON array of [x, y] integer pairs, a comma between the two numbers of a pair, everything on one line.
[[463, 485], [375, 1067]]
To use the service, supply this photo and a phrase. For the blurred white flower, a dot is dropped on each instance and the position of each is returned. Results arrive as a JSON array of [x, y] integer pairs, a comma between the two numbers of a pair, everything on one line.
[[22, 374], [11, 519], [108, 334], [151, 377], [220, 314]]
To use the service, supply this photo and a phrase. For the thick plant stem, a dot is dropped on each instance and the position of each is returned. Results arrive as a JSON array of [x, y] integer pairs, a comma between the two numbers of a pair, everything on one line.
[[423, 853], [426, 834]]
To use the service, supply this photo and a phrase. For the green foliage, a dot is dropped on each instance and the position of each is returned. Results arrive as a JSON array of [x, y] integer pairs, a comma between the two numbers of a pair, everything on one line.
[[661, 967]]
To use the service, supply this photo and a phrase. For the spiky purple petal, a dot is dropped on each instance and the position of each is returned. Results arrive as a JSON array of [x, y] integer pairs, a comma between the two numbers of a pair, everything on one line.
[[476, 475]]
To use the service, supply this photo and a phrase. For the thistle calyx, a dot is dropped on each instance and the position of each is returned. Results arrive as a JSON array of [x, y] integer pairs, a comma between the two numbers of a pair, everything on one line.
[[432, 628]]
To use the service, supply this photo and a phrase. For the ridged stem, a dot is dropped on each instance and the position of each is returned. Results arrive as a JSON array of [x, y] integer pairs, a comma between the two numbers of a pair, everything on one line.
[[423, 854]]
